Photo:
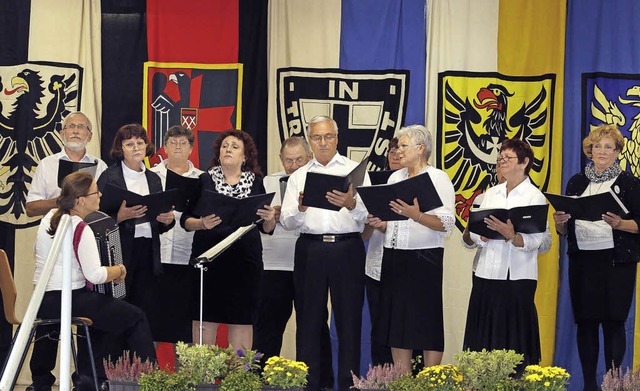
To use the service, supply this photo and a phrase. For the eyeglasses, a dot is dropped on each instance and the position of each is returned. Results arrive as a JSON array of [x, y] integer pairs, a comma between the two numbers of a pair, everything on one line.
[[607, 148], [299, 161], [131, 145], [505, 159], [174, 143], [316, 138], [77, 126], [402, 147], [89, 194]]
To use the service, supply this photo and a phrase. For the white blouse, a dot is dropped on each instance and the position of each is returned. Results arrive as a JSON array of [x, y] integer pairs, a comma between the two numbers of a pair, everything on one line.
[[409, 235]]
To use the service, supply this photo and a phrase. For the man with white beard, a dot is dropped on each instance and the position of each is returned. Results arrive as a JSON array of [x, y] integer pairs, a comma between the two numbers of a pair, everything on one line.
[[44, 190], [43, 193]]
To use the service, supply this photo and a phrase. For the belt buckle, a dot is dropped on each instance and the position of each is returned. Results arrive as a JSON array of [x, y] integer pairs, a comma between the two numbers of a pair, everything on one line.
[[329, 238]]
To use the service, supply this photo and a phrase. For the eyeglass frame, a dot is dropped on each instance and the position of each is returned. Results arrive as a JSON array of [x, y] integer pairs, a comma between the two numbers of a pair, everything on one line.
[[180, 143], [507, 159], [133, 145], [89, 194], [78, 126], [316, 138], [402, 147]]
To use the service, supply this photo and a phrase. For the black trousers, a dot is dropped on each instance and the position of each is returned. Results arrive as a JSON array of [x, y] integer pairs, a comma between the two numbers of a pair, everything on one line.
[[110, 317], [380, 352], [274, 311], [319, 268]]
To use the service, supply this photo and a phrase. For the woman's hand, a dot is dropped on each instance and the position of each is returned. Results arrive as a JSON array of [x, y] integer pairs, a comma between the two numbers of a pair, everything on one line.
[[166, 218], [123, 274], [268, 216], [561, 219], [127, 213], [504, 229], [376, 223], [210, 221], [402, 208]]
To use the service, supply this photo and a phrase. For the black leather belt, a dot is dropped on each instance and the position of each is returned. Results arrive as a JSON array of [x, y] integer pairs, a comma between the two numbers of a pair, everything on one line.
[[331, 238]]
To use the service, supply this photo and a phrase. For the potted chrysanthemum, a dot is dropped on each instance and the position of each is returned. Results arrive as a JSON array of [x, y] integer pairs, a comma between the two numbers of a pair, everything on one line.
[[284, 374], [445, 377], [537, 378]]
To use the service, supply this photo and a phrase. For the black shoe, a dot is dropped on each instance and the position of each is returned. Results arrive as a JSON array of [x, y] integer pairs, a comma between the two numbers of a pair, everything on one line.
[[34, 388]]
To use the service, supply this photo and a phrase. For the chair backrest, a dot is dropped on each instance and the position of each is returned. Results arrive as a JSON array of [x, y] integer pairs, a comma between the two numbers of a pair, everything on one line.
[[8, 288]]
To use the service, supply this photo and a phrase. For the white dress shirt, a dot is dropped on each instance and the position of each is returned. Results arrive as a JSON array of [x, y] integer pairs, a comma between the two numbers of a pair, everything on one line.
[[498, 257], [277, 249], [409, 235], [44, 185], [137, 183], [595, 235], [317, 220], [175, 244], [88, 267]]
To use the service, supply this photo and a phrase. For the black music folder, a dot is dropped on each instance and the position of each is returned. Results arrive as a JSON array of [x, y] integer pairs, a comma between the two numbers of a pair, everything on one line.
[[525, 219], [317, 185], [67, 167], [380, 177], [283, 187], [188, 189], [590, 208], [156, 203], [235, 212], [377, 197]]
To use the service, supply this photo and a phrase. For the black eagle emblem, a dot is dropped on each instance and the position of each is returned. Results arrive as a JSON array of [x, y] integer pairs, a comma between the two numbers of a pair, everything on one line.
[[28, 132], [477, 143]]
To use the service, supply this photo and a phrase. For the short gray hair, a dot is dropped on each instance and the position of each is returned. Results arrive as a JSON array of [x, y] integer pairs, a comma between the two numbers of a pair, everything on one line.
[[295, 141], [418, 135], [322, 118], [64, 121]]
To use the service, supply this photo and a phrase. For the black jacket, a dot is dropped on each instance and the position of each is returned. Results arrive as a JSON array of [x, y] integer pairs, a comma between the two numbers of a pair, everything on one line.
[[115, 176], [626, 187]]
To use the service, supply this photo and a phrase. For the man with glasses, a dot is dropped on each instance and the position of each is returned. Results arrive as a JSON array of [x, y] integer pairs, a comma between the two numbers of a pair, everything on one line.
[[43, 193], [329, 256], [276, 292]]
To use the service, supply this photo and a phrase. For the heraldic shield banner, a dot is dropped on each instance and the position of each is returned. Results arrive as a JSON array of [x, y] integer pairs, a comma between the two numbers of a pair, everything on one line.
[[205, 98], [34, 98], [369, 106], [476, 112], [614, 99]]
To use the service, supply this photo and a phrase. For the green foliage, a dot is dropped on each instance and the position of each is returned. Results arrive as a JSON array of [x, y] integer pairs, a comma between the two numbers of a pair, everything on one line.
[[241, 380], [160, 380], [487, 370], [203, 364], [407, 382]]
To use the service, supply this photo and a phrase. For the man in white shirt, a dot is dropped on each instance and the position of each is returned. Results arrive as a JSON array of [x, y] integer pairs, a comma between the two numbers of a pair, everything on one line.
[[43, 193], [329, 255], [276, 292]]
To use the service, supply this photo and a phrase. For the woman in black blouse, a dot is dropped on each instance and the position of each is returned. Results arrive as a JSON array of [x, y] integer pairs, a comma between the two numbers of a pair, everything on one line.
[[603, 254], [231, 282]]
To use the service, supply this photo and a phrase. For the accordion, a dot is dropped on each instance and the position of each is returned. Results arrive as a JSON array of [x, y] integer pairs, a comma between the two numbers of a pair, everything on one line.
[[107, 236]]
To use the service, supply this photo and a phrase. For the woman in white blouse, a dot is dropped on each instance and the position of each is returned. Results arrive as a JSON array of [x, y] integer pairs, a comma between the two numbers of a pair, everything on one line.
[[502, 313], [411, 315], [175, 244]]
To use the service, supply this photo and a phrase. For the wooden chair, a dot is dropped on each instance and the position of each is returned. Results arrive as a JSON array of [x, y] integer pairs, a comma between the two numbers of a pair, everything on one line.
[[9, 296]]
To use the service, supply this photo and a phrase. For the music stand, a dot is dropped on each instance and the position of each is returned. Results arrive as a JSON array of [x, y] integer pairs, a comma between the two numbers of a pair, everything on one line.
[[211, 254]]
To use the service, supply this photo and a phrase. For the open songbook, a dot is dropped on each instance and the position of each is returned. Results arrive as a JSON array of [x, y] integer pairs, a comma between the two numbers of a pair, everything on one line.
[[380, 177], [234, 212], [317, 185], [224, 244], [377, 197], [156, 203], [67, 167], [590, 208], [188, 189], [525, 219]]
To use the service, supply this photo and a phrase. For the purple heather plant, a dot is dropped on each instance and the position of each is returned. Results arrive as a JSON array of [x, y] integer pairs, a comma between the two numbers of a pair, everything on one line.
[[126, 369], [617, 380], [378, 377]]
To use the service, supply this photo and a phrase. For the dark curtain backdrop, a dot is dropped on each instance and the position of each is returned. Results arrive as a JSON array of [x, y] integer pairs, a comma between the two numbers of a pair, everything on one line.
[[14, 45], [124, 51], [252, 52]]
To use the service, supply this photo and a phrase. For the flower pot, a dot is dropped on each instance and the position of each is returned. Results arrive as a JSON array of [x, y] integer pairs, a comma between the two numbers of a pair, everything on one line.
[[207, 387], [272, 388], [123, 386], [373, 389]]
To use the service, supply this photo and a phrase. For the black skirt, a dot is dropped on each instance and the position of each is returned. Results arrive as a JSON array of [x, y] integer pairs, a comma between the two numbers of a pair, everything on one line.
[[502, 315], [173, 302], [411, 315], [600, 290]]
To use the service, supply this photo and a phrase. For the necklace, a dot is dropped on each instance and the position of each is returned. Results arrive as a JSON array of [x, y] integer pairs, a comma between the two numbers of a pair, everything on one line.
[[597, 191]]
